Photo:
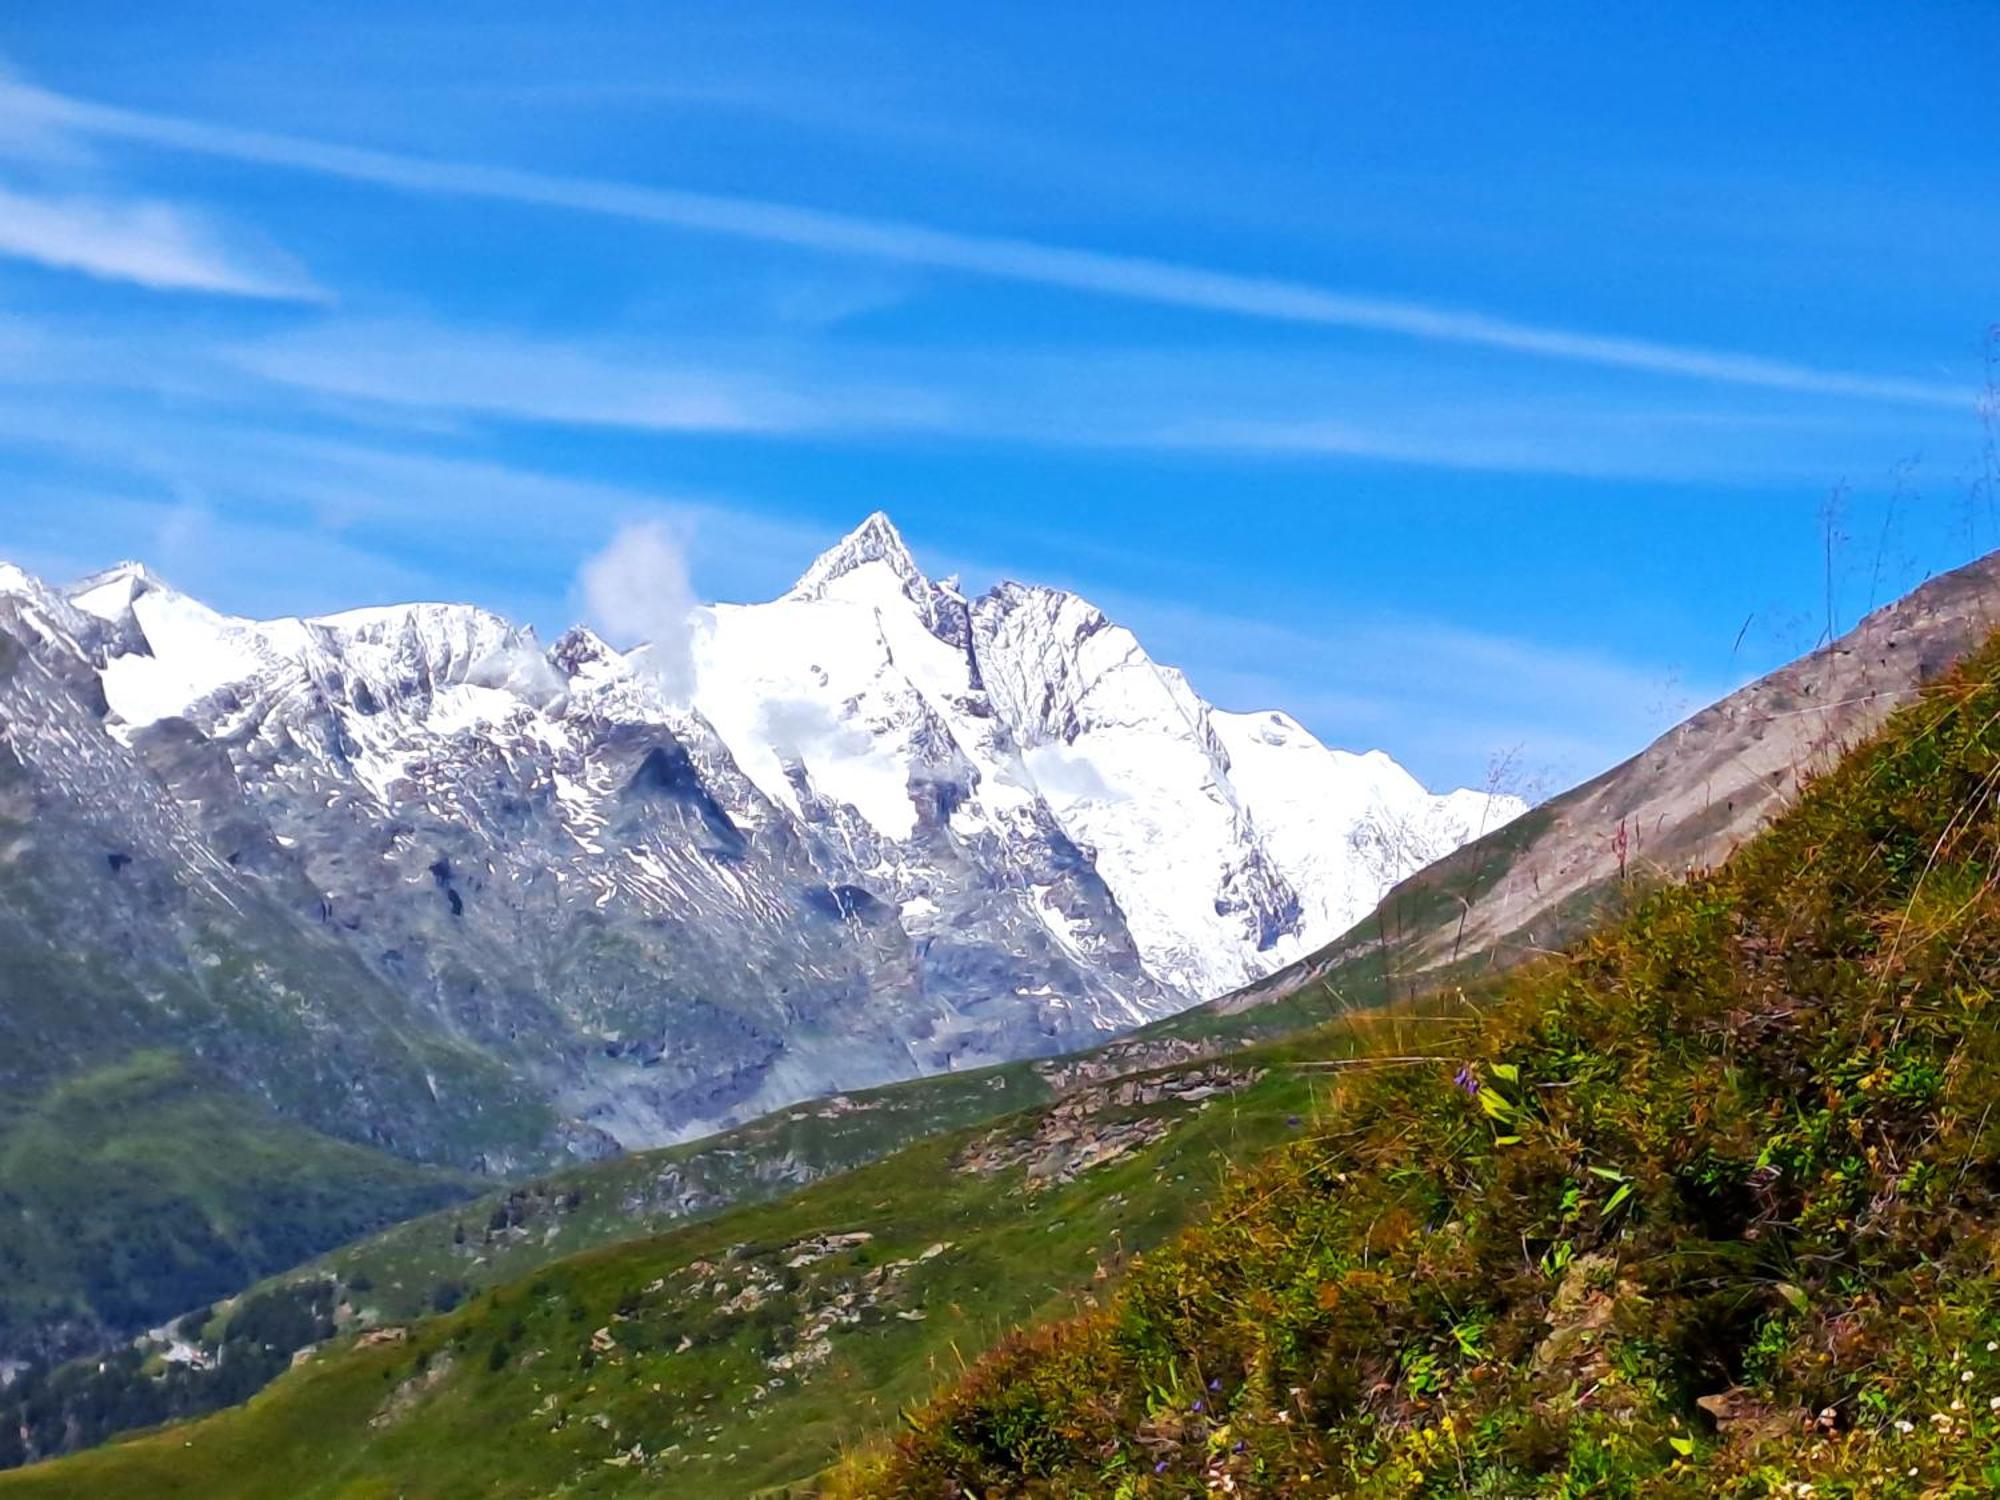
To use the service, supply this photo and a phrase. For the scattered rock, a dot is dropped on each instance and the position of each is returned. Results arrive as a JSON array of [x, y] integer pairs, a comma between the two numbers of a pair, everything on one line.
[[1742, 1419], [1579, 1316], [805, 1252], [406, 1395], [1073, 1136]]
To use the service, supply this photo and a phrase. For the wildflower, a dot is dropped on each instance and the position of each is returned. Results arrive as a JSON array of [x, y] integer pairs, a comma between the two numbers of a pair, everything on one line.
[[1467, 1080], [1906, 1428], [1215, 1384], [1966, 1378], [1195, 1407], [1994, 1404], [1160, 1467]]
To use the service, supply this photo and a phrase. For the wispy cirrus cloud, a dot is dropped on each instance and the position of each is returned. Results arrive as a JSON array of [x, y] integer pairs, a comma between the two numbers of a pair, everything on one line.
[[441, 369], [1127, 277], [1219, 402], [292, 522], [143, 242], [414, 377]]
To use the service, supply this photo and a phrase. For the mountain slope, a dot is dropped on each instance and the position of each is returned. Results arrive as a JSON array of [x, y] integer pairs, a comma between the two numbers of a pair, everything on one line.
[[1649, 1217], [144, 1189], [1043, 722], [893, 832], [406, 878], [1683, 803], [1702, 1205], [725, 1357]]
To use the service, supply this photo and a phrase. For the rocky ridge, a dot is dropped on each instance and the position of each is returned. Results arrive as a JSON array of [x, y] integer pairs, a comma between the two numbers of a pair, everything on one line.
[[411, 876]]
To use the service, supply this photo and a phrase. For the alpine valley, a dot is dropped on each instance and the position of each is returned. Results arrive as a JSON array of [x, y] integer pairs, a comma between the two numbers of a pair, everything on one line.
[[407, 895], [1123, 1238]]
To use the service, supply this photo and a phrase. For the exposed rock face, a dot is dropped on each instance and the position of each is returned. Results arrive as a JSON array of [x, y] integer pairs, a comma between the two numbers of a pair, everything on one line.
[[416, 879]]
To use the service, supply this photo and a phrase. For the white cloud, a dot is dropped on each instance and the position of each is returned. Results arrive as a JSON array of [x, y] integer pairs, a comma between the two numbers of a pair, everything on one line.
[[805, 730], [146, 243], [1133, 278], [241, 520], [636, 592], [1068, 775], [467, 515]]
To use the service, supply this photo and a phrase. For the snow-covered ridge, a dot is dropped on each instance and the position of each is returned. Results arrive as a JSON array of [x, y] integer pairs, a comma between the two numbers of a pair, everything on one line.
[[895, 830], [1232, 843]]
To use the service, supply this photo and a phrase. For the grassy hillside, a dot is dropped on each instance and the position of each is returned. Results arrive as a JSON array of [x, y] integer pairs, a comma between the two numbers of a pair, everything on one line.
[[222, 1195], [139, 1191], [509, 1231], [745, 1351], [1706, 1205], [435, 1261]]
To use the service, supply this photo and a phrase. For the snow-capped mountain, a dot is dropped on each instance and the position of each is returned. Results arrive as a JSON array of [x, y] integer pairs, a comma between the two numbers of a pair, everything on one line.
[[1230, 842], [413, 876]]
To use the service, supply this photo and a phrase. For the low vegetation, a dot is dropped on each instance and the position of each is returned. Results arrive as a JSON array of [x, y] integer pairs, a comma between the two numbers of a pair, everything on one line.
[[744, 1351], [1705, 1205], [432, 1263], [222, 1196], [147, 1112], [133, 1193], [194, 1369]]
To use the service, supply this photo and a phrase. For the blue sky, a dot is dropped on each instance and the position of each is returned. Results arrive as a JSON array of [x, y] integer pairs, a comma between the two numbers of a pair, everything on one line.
[[1470, 383]]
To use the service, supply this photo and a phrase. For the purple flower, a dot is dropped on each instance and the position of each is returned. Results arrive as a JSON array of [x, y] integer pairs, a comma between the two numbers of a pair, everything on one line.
[[1215, 1384], [1195, 1407], [1241, 1444], [1467, 1080], [1160, 1467]]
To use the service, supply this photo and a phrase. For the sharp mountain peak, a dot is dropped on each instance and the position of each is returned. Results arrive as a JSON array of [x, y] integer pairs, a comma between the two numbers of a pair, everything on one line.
[[876, 539]]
